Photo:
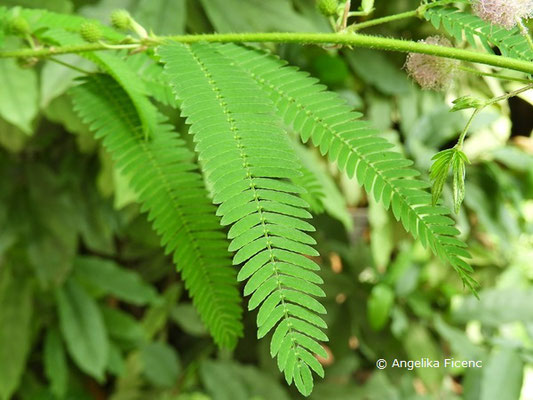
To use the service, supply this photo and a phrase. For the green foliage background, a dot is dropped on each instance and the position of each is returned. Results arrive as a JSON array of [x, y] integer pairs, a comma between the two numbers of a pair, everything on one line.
[[91, 308]]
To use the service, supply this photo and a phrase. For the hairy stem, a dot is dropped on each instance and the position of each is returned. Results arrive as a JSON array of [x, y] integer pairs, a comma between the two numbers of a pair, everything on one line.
[[506, 96], [419, 12], [509, 95], [492, 75], [73, 67], [459, 144], [344, 39], [383, 20]]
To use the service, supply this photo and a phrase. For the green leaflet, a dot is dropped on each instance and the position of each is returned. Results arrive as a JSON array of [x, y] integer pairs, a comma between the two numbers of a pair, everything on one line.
[[157, 316], [19, 95], [502, 375], [439, 172], [496, 307], [12, 138], [329, 123], [121, 326], [83, 329], [108, 277], [442, 162], [187, 318], [247, 382], [255, 15], [159, 169], [55, 362], [458, 23], [160, 364], [16, 311], [419, 342], [379, 305], [115, 361], [248, 161], [459, 172], [163, 16]]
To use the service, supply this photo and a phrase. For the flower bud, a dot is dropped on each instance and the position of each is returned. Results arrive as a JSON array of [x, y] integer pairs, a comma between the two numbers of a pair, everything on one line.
[[505, 13], [328, 7], [18, 26], [121, 19], [90, 32], [431, 72]]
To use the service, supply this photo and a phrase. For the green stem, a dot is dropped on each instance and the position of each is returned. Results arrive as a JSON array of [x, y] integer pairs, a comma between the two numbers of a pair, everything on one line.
[[344, 19], [73, 67], [53, 50], [506, 96], [29, 40], [359, 40], [383, 20], [119, 46], [344, 39], [359, 13], [419, 12], [492, 75], [459, 144]]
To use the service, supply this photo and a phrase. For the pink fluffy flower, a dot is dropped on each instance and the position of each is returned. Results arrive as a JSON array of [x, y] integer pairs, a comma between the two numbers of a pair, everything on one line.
[[431, 72], [505, 13]]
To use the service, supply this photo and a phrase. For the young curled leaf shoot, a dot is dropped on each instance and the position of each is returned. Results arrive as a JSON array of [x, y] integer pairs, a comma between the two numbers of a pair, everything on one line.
[[466, 102], [431, 72], [459, 173], [455, 159]]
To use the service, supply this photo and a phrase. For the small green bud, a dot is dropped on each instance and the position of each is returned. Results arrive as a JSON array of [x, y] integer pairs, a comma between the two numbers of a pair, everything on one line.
[[328, 7], [18, 26], [121, 19], [90, 32], [367, 5]]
